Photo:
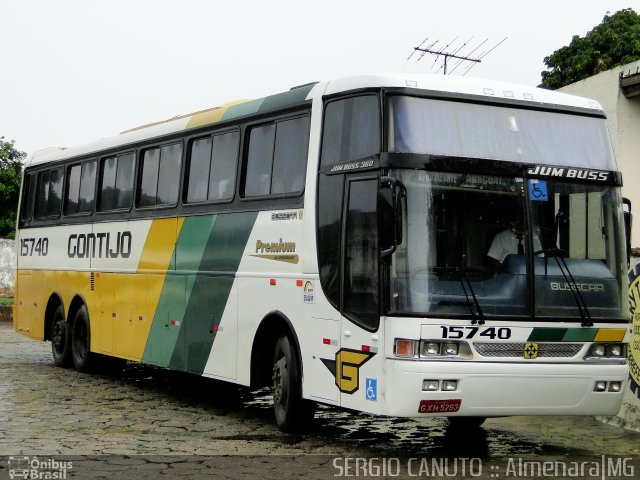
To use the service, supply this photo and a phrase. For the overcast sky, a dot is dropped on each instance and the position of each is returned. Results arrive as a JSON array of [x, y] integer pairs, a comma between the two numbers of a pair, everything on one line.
[[74, 71]]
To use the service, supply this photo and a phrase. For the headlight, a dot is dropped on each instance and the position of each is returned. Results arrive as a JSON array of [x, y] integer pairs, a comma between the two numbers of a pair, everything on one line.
[[598, 351], [450, 348], [430, 348]]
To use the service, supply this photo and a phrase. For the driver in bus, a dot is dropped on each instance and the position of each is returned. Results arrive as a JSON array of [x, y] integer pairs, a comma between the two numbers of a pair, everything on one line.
[[509, 241]]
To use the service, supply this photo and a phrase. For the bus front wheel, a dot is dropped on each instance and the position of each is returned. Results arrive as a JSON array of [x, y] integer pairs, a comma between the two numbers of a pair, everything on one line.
[[81, 341], [60, 339], [292, 412]]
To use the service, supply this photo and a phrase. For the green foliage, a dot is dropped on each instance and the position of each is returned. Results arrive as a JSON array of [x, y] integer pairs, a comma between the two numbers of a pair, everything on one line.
[[10, 177], [616, 41]]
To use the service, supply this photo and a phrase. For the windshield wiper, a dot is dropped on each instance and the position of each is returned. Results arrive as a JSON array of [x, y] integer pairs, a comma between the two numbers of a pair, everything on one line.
[[557, 253], [474, 307]]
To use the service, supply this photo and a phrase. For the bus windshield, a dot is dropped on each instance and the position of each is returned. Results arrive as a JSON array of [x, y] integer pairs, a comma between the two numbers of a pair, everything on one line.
[[460, 129], [488, 247]]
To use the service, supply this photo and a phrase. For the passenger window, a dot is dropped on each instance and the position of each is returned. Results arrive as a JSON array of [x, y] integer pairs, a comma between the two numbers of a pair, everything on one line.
[[159, 177], [79, 196], [116, 188], [277, 158], [49, 194], [212, 168], [28, 197]]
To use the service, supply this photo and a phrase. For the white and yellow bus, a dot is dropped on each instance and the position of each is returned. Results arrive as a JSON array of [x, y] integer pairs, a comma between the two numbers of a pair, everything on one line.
[[332, 242]]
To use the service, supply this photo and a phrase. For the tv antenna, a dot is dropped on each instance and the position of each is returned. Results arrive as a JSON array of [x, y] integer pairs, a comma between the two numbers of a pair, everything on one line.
[[456, 49]]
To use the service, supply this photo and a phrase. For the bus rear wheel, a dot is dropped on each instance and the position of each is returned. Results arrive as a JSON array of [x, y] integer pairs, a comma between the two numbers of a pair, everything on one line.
[[292, 412], [60, 339], [83, 359]]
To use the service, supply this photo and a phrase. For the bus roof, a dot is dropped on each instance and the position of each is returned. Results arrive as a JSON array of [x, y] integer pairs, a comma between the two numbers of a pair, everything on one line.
[[489, 89]]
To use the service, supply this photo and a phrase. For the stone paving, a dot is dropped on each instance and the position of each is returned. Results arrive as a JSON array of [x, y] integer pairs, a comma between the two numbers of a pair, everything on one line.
[[151, 422]]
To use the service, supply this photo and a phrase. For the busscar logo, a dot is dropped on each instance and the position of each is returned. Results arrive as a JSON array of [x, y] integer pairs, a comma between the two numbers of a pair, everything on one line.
[[346, 368]]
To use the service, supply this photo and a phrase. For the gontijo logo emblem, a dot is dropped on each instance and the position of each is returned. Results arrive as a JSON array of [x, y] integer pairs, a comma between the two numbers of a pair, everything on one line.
[[346, 368]]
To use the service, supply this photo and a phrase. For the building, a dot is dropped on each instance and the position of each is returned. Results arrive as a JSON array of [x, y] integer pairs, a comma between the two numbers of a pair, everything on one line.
[[618, 90]]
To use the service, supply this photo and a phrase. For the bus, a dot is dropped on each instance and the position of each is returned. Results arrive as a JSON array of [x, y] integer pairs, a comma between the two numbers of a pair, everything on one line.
[[332, 242]]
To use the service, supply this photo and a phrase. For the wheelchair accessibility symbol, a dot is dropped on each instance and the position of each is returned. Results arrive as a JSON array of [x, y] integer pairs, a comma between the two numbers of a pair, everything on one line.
[[372, 389], [538, 190]]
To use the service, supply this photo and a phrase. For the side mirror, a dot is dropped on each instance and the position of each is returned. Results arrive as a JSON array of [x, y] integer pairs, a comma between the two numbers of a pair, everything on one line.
[[390, 226], [628, 220]]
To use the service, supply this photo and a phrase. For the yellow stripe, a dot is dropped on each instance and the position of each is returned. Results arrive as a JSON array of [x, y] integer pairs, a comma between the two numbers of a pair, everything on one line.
[[212, 115], [159, 246], [610, 335]]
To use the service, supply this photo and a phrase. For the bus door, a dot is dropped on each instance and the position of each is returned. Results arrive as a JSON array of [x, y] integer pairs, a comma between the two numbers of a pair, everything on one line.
[[359, 361]]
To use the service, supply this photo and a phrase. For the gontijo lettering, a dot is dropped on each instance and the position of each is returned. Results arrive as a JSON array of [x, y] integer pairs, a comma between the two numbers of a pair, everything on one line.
[[99, 245]]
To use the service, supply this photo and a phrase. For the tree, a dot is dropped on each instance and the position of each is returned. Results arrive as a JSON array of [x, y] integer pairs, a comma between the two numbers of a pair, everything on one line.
[[616, 41], [10, 177]]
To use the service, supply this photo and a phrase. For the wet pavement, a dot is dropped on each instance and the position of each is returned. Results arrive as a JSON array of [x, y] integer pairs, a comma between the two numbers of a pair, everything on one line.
[[131, 418]]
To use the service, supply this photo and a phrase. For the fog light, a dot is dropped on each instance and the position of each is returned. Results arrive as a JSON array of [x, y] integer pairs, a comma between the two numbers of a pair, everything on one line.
[[598, 350], [601, 386], [405, 348], [615, 386], [449, 385], [430, 385], [615, 350], [450, 348], [430, 348]]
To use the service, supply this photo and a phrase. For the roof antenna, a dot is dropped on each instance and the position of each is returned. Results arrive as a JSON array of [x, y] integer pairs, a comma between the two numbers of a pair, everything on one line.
[[455, 49]]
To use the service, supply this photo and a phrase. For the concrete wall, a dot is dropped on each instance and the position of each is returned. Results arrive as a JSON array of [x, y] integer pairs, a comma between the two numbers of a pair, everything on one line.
[[7, 266], [623, 119]]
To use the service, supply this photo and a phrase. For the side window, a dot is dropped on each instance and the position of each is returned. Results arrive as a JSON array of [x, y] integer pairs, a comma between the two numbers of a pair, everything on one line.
[[277, 158], [351, 129], [49, 193], [116, 182], [212, 168], [80, 188], [160, 176], [28, 197]]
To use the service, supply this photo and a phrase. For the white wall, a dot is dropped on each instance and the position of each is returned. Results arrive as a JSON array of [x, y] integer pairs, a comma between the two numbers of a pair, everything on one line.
[[623, 119], [7, 266]]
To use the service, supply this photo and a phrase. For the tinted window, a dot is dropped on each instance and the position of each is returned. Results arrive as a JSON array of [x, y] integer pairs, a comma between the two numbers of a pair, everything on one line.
[[199, 164], [116, 191], [49, 193], [222, 177], [361, 254], [259, 161], [80, 189], [277, 157], [351, 129], [290, 155], [28, 197], [160, 176]]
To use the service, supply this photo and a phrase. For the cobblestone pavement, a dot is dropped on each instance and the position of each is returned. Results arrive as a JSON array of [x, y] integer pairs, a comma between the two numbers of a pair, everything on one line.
[[152, 422]]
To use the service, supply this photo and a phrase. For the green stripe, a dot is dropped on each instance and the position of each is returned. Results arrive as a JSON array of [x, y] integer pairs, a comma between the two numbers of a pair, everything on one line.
[[211, 288], [542, 334], [580, 335], [187, 255]]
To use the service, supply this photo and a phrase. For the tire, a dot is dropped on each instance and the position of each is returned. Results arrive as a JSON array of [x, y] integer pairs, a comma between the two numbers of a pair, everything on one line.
[[60, 339], [292, 412], [466, 422], [83, 359]]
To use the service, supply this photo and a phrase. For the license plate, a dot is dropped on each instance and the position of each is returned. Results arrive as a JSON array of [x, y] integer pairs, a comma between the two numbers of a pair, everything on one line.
[[439, 406]]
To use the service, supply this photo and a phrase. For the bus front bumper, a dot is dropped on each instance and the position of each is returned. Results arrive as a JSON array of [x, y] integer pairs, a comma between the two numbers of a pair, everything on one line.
[[501, 389]]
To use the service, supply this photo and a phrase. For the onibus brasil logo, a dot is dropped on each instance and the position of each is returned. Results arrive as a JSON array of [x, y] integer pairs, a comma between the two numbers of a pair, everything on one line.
[[38, 468]]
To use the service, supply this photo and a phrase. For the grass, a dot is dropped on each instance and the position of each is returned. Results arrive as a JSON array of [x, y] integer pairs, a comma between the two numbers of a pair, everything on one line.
[[6, 301]]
